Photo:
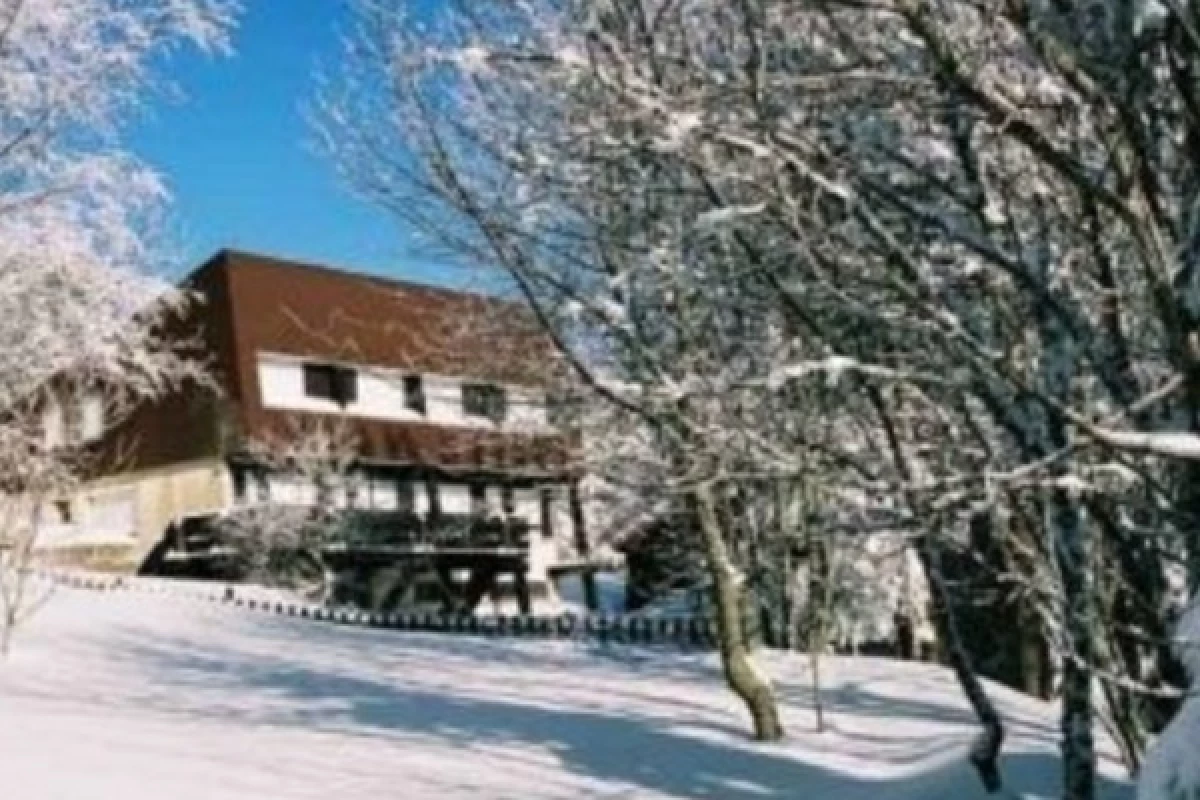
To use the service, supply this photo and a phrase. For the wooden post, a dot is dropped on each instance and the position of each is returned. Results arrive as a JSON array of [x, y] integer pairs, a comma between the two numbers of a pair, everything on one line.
[[522, 586], [591, 598], [431, 491], [483, 581]]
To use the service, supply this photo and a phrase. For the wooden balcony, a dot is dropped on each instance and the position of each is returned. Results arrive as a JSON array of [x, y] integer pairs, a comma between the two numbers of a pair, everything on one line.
[[400, 532]]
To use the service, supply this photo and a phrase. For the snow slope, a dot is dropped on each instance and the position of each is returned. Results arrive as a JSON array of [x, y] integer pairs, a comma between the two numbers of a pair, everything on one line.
[[133, 696]]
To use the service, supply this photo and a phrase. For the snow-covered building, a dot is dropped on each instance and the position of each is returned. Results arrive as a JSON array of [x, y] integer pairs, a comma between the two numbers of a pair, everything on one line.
[[443, 395]]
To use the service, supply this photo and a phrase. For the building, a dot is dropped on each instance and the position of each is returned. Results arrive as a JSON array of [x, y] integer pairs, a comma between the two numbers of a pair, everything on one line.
[[444, 393]]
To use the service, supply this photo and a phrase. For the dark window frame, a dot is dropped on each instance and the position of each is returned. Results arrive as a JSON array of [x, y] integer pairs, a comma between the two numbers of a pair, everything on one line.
[[414, 393], [347, 380], [559, 413], [406, 496], [477, 499], [485, 400], [330, 382]]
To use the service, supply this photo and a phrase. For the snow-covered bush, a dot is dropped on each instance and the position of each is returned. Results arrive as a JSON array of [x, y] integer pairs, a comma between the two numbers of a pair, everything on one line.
[[279, 536]]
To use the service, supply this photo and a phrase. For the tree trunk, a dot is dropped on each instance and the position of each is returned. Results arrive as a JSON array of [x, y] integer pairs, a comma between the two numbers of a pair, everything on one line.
[[8, 626], [1072, 552], [818, 702], [787, 626], [741, 673], [985, 750], [1189, 507], [15, 574], [1033, 660], [818, 598]]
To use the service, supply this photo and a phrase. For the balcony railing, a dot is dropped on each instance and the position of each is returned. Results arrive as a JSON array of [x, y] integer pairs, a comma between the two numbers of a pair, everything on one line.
[[375, 529], [374, 534]]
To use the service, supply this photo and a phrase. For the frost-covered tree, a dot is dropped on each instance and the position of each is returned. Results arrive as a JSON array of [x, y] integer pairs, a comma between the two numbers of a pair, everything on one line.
[[558, 153], [932, 257], [1171, 771], [81, 317], [639, 344]]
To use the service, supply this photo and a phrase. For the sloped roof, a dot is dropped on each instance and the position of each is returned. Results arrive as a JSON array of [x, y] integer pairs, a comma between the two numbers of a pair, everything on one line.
[[319, 312], [248, 304]]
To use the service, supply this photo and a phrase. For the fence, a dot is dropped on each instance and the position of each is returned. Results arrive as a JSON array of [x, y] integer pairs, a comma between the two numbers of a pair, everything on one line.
[[689, 632]]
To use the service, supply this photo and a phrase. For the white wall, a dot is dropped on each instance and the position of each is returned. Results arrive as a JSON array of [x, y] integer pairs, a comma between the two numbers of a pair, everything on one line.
[[111, 515], [381, 396], [107, 516]]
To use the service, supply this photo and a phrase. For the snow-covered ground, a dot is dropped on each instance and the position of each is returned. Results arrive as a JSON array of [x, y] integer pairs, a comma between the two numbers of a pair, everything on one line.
[[136, 696]]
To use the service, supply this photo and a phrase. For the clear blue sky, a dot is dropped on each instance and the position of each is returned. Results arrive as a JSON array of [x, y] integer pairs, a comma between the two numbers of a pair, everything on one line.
[[237, 152]]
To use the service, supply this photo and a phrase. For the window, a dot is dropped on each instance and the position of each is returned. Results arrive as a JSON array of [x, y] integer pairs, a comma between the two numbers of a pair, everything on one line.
[[559, 411], [414, 393], [479, 505], [484, 400], [330, 382], [435, 499], [319, 381], [406, 496], [91, 413], [74, 422], [389, 493], [347, 386], [384, 496], [507, 500], [252, 485]]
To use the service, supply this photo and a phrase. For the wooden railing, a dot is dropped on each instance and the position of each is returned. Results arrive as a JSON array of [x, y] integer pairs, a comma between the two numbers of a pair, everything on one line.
[[373, 529]]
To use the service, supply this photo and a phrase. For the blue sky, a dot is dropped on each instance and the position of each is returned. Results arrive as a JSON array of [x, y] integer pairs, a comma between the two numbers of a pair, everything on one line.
[[237, 153]]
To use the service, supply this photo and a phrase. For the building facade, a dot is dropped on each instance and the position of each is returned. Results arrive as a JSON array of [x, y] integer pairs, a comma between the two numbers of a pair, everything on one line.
[[443, 393]]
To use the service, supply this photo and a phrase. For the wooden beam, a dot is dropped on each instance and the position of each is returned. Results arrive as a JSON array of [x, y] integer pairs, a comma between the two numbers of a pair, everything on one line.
[[524, 605], [591, 597]]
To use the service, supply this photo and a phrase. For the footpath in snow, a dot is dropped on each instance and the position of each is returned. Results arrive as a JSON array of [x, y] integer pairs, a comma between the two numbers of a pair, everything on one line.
[[127, 696]]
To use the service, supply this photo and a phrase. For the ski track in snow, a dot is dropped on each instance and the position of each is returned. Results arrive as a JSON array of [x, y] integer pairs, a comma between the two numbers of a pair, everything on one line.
[[136, 697]]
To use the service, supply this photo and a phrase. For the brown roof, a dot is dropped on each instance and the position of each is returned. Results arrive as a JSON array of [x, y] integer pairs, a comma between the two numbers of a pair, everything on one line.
[[248, 304], [316, 311]]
